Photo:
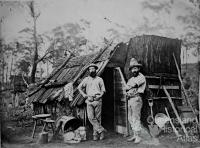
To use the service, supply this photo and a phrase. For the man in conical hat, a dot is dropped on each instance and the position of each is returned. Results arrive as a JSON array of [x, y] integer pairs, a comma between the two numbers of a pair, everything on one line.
[[135, 88]]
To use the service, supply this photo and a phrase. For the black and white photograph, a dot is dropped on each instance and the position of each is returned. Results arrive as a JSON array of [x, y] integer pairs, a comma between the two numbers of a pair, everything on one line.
[[100, 73]]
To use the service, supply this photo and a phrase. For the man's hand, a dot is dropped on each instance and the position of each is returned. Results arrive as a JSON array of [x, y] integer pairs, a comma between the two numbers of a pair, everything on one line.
[[90, 99], [98, 96], [128, 87]]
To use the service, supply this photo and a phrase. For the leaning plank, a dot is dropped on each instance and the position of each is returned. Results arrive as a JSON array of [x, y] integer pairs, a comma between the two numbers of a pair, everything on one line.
[[175, 111], [173, 127], [184, 91]]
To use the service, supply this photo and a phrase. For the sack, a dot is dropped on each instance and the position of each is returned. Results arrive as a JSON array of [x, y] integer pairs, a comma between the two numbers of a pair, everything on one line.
[[70, 137], [81, 133], [75, 136]]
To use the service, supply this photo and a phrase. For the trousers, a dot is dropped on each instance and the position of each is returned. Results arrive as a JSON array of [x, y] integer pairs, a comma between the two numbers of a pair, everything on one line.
[[94, 115], [134, 113]]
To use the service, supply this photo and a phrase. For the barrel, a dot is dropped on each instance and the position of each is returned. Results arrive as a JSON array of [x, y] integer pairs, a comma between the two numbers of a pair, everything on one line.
[[69, 123]]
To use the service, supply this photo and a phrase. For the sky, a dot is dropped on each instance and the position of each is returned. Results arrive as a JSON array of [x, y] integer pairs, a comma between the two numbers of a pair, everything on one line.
[[128, 17], [127, 13]]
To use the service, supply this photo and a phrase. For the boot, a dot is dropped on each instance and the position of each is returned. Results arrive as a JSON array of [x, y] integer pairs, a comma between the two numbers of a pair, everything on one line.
[[131, 138], [138, 139], [95, 137], [102, 135]]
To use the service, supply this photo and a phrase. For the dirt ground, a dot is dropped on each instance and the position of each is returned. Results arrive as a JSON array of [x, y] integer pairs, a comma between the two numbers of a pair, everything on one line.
[[20, 137]]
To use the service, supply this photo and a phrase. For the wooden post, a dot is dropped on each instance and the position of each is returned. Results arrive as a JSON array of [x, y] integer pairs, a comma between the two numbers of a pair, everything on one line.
[[199, 93], [198, 49], [114, 91], [175, 111]]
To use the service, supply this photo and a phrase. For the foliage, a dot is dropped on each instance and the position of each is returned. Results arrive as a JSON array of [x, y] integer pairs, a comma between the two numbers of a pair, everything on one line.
[[20, 114], [190, 81], [23, 65], [191, 38], [66, 39]]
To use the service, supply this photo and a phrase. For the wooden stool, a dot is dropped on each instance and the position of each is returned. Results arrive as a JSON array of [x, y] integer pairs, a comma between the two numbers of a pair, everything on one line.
[[46, 122], [38, 117]]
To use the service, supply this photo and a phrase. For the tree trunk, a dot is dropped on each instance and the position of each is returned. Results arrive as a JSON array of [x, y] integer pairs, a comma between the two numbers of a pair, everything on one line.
[[3, 61], [33, 71], [35, 58], [6, 77], [2, 56], [11, 67]]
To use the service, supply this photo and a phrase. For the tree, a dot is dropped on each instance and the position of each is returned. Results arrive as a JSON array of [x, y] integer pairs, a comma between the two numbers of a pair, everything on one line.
[[191, 35], [31, 47], [191, 38], [34, 16], [67, 38], [23, 65]]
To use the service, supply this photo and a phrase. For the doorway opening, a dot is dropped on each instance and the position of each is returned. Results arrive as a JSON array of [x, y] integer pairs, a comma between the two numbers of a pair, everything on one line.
[[108, 100]]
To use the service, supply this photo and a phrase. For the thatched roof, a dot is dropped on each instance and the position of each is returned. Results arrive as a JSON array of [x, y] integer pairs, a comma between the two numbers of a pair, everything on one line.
[[69, 72]]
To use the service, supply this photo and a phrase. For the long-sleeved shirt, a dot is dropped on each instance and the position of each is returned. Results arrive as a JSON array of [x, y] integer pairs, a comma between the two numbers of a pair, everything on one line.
[[92, 86], [140, 81]]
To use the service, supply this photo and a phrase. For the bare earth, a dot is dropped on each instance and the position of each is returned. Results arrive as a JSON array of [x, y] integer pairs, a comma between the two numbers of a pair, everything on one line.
[[22, 139]]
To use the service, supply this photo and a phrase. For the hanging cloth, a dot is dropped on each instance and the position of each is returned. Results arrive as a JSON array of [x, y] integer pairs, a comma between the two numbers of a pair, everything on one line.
[[68, 89]]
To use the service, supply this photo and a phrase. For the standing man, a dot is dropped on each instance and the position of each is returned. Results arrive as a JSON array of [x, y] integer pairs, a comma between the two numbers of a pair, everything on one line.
[[92, 89], [135, 90]]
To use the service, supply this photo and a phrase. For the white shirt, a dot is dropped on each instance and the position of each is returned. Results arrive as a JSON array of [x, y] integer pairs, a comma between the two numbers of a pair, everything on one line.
[[140, 80], [92, 86]]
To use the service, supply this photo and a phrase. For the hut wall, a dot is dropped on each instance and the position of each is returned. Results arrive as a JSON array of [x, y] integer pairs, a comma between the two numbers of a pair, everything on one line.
[[154, 53]]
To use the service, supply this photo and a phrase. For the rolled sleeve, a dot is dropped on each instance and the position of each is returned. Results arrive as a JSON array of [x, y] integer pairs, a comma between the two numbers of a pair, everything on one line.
[[102, 86]]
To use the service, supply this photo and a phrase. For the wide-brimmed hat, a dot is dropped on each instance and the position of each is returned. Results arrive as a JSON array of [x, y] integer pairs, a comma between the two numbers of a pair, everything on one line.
[[92, 65], [134, 63]]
